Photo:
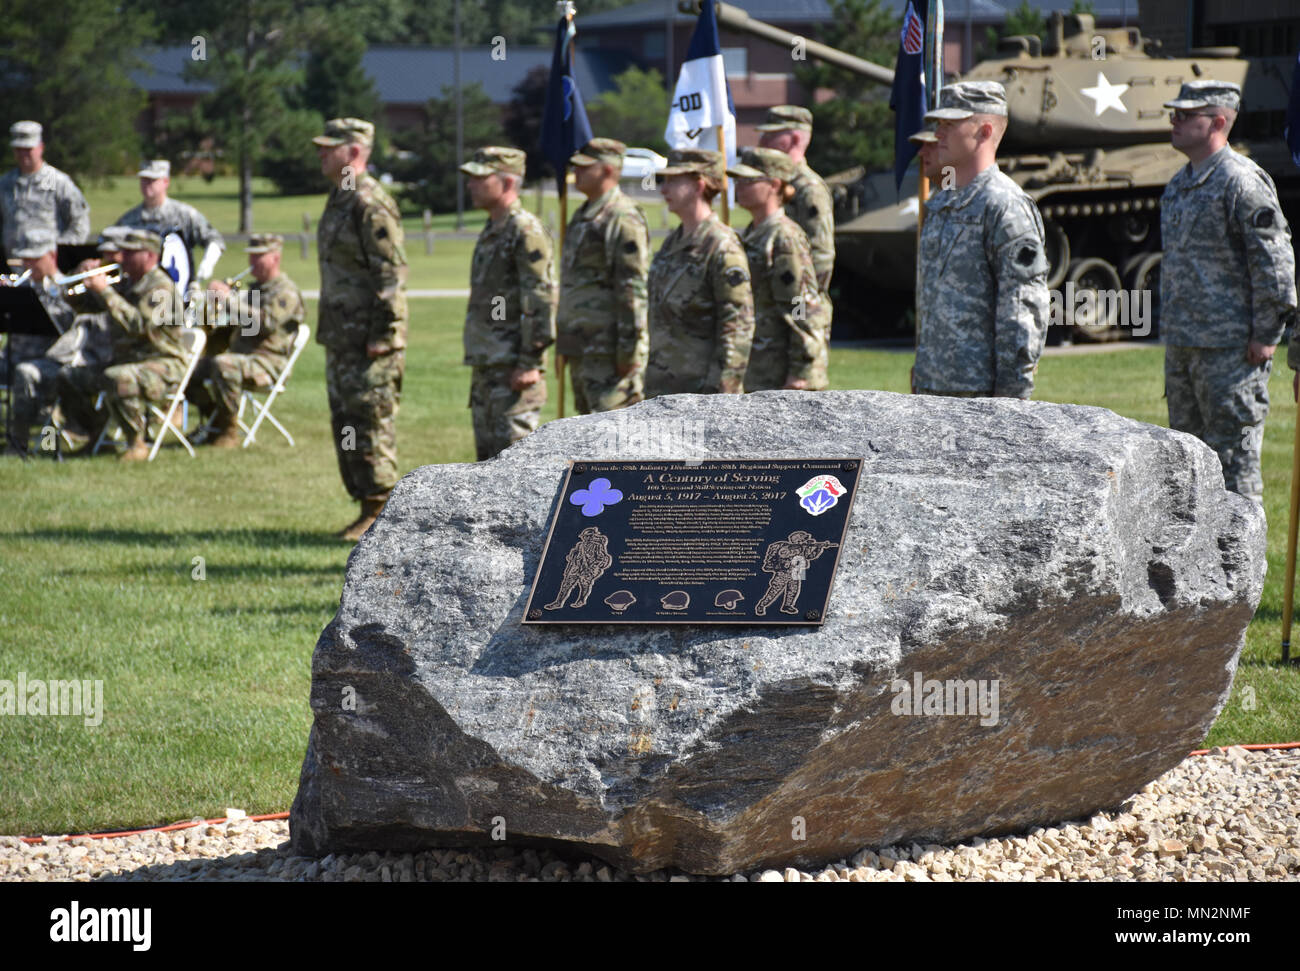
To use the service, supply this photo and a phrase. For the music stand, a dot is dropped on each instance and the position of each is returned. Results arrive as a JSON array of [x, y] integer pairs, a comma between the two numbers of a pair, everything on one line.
[[21, 312]]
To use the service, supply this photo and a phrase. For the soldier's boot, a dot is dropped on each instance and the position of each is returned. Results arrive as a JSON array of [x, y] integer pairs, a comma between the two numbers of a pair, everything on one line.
[[136, 451], [371, 507], [227, 428]]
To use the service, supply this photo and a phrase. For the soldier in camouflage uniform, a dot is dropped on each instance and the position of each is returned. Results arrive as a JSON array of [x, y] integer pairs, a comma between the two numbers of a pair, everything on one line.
[[267, 315], [701, 304], [789, 349], [161, 214], [602, 317], [149, 360], [363, 316], [510, 320], [37, 197], [981, 274], [1227, 285], [927, 150]]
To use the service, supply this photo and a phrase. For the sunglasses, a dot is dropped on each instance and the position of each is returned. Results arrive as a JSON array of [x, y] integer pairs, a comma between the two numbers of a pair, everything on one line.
[[1180, 115]]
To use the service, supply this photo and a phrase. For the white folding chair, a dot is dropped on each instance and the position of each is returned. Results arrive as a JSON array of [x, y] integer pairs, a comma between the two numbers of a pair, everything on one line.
[[193, 341], [262, 409]]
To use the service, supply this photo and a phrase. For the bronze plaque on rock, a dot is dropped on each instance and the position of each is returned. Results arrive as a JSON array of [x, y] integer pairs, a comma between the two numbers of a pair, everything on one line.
[[717, 541]]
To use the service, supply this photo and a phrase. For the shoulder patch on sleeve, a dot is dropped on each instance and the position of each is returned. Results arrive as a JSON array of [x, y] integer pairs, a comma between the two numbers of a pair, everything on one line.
[[1026, 255], [534, 256], [1262, 218], [787, 278], [812, 210], [629, 246], [382, 233], [735, 276]]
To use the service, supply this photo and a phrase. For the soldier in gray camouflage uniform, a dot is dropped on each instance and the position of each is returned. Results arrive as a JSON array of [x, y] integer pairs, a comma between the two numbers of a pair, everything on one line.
[[701, 304], [363, 316], [790, 326], [36, 197], [267, 314], [162, 214], [602, 315], [510, 320], [981, 274], [1227, 285], [148, 359]]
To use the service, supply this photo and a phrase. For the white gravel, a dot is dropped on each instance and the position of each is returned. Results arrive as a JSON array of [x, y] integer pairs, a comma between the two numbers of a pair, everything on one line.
[[1230, 815]]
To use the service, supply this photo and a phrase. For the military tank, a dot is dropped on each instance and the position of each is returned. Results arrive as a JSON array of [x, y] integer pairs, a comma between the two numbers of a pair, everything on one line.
[[1087, 139]]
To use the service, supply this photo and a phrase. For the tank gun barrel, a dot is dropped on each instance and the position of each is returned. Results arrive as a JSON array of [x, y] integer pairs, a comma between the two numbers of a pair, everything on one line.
[[738, 19]]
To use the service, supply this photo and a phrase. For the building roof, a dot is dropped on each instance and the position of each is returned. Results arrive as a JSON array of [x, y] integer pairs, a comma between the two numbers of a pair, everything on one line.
[[413, 75], [650, 12]]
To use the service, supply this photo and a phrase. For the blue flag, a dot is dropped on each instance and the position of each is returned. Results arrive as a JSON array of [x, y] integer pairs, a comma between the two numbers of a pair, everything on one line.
[[908, 97], [565, 128], [1293, 115]]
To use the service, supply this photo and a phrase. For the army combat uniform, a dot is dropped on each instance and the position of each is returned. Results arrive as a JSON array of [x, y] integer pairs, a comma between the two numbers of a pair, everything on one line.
[[790, 317], [701, 304], [1227, 278], [981, 276], [148, 358], [602, 315], [362, 301], [47, 199], [267, 316], [812, 207], [510, 320]]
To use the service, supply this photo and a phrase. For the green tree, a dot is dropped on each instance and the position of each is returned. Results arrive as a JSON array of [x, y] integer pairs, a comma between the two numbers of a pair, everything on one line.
[[634, 111], [252, 55], [426, 158], [522, 120], [856, 126], [71, 73]]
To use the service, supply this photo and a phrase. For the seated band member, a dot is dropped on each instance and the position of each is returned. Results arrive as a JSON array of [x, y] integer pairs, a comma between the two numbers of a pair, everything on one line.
[[149, 360], [37, 248], [267, 316]]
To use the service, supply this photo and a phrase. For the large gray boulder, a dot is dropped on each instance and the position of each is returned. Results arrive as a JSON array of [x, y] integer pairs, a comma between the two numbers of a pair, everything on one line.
[[1090, 569]]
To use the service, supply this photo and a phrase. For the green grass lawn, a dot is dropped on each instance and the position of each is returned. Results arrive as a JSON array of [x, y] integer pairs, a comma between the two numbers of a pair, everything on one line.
[[206, 679]]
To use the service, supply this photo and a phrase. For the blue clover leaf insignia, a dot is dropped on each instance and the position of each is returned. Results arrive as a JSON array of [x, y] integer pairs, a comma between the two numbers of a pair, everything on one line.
[[596, 497]]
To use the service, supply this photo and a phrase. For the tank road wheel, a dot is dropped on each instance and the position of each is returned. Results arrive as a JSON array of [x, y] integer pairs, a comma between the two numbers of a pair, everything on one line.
[[1094, 317], [1142, 273], [1056, 247]]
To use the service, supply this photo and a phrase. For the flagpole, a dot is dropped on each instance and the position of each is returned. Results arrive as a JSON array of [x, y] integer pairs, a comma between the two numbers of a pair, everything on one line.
[[560, 360], [722, 147]]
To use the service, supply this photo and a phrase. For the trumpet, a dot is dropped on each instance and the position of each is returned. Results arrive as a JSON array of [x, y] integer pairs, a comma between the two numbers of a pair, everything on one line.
[[73, 287], [14, 279]]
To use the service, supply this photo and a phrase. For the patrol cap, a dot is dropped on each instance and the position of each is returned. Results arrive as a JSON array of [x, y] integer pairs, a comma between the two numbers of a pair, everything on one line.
[[694, 161], [966, 98], [34, 243], [24, 134], [1204, 94], [264, 243], [608, 151], [140, 239], [346, 131], [763, 163], [923, 137], [110, 238], [787, 118], [155, 168], [495, 158]]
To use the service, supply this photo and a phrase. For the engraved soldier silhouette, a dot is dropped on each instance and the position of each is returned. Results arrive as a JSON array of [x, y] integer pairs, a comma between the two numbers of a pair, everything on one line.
[[588, 559], [787, 560]]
